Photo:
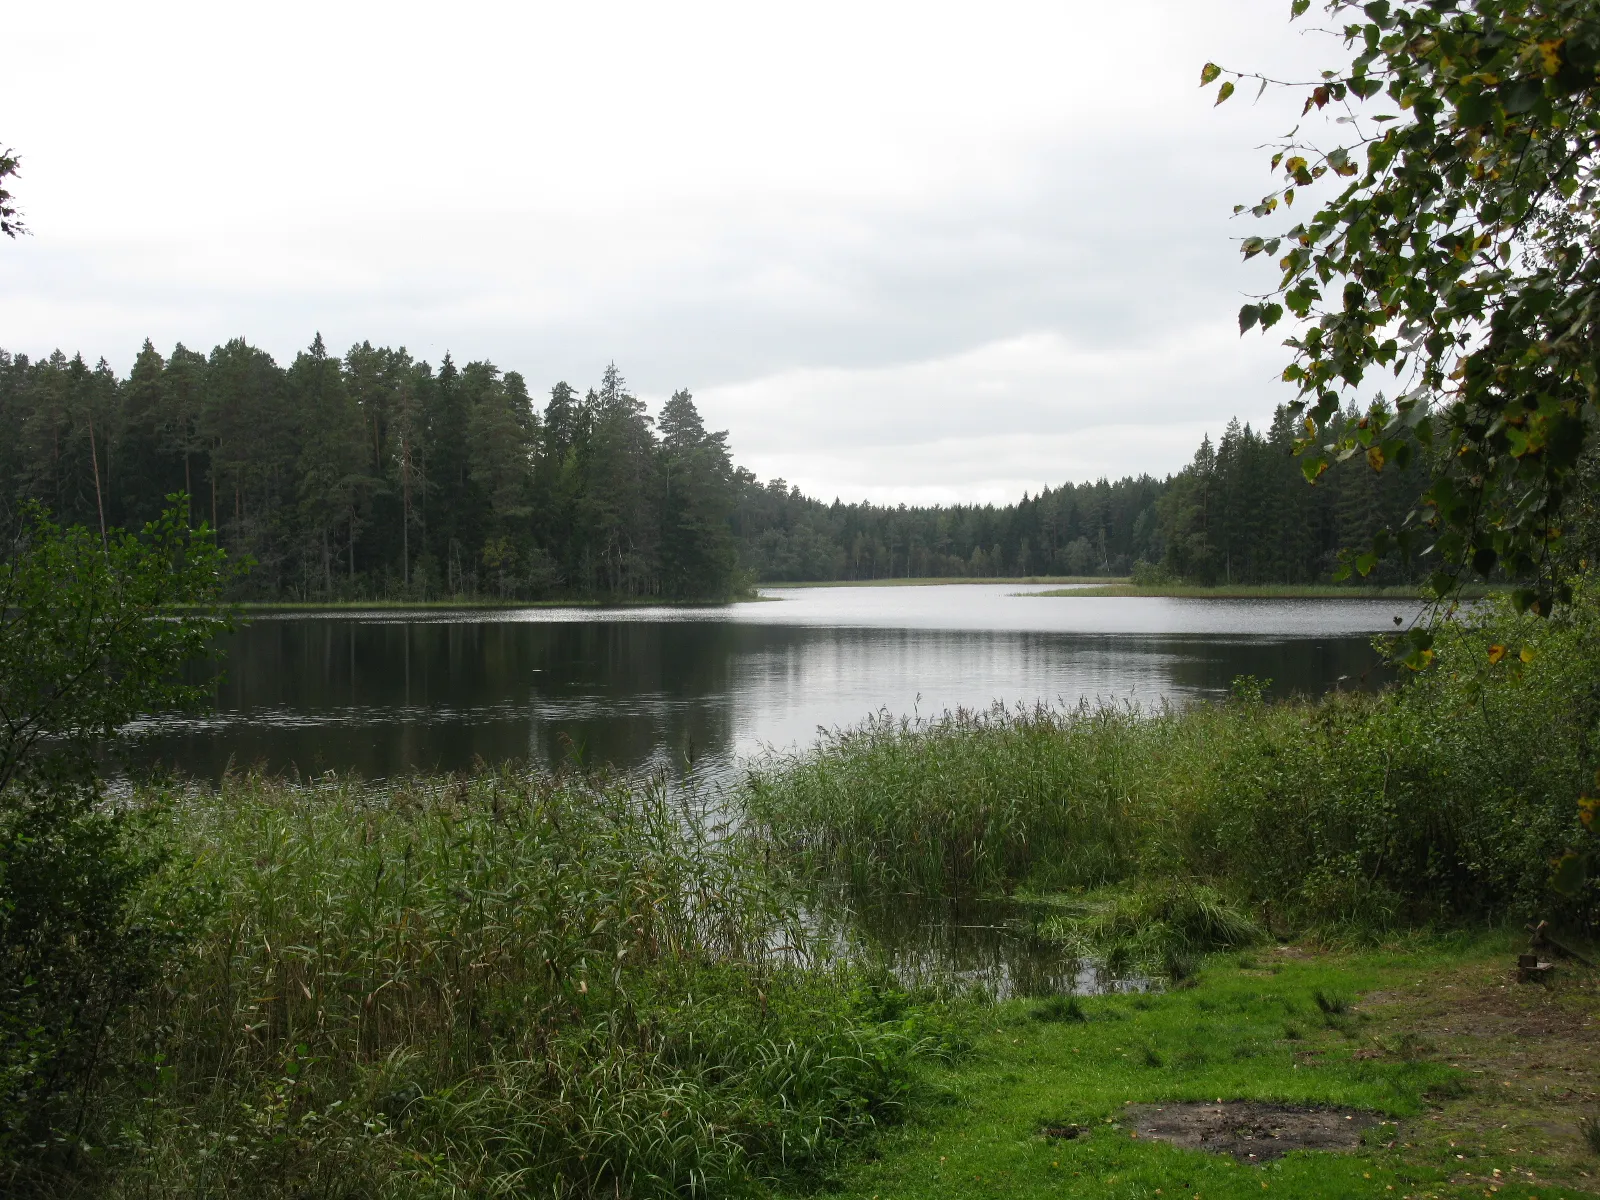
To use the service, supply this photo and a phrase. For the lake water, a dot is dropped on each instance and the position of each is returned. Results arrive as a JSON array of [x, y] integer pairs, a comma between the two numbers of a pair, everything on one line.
[[385, 692]]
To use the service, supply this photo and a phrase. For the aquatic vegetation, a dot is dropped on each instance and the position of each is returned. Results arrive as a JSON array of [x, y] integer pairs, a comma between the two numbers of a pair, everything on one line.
[[1443, 799], [1163, 926], [479, 985]]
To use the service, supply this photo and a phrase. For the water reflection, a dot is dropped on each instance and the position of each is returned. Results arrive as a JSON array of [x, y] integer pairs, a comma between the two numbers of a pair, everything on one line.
[[985, 944], [696, 690]]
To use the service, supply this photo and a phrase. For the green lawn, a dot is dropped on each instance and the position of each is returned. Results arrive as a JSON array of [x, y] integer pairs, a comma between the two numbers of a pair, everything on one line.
[[1441, 1042]]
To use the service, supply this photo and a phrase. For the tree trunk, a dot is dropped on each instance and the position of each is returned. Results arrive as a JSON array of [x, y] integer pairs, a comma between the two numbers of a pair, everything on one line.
[[94, 461]]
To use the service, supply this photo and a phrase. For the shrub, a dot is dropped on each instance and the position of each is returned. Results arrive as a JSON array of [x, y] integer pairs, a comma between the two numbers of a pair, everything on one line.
[[84, 647]]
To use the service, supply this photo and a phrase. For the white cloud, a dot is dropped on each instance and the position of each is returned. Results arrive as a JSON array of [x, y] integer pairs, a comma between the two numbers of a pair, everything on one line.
[[1026, 412], [971, 236]]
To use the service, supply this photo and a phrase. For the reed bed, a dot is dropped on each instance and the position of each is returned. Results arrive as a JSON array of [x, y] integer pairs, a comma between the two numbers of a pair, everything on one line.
[[985, 801], [507, 984], [1444, 799]]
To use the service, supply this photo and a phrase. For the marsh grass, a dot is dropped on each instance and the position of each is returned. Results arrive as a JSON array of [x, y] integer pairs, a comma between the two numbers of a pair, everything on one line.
[[1354, 815], [977, 801], [1165, 926], [503, 984]]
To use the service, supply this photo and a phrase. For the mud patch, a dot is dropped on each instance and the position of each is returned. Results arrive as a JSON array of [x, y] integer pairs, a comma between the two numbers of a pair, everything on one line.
[[1250, 1131]]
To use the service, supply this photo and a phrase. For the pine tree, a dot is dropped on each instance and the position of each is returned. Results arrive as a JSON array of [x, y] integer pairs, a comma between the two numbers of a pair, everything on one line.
[[697, 552]]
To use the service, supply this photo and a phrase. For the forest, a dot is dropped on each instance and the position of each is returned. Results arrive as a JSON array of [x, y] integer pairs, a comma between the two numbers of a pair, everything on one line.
[[378, 476]]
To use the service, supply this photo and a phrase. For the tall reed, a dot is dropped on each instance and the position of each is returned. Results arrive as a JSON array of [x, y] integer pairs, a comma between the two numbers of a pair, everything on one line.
[[985, 800], [1445, 798], [501, 984]]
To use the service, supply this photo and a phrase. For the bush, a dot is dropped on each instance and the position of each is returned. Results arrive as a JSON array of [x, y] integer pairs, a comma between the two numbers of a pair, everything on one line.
[[84, 647], [1148, 574], [75, 950]]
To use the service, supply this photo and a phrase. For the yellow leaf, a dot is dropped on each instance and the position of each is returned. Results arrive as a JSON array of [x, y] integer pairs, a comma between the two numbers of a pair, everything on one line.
[[1550, 55], [1209, 73], [1496, 652], [1526, 655], [1224, 92], [1375, 458]]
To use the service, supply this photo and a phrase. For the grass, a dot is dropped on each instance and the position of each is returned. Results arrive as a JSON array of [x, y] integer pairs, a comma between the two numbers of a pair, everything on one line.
[[1470, 1111], [502, 984], [1445, 799], [1162, 837]]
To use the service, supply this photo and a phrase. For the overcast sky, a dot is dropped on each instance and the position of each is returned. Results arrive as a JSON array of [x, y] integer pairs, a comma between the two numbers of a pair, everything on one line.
[[919, 252]]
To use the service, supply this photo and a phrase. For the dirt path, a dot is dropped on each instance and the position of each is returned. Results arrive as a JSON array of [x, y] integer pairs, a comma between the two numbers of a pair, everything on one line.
[[1532, 1054]]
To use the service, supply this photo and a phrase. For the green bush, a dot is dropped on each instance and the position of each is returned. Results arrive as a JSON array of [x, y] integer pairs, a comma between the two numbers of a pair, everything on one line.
[[85, 646], [77, 947]]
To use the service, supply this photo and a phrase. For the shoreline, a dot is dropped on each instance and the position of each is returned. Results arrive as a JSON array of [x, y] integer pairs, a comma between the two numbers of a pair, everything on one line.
[[938, 581], [268, 607], [1266, 591]]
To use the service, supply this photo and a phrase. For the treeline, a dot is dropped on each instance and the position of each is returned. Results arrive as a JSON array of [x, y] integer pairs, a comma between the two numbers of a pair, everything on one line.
[[376, 475], [1077, 529], [1240, 512]]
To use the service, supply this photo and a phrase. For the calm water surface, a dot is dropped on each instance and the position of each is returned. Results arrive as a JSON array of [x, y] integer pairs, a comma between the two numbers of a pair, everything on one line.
[[383, 692]]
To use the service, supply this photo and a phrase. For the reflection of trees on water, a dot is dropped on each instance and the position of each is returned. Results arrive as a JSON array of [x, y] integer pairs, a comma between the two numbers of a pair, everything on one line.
[[384, 697]]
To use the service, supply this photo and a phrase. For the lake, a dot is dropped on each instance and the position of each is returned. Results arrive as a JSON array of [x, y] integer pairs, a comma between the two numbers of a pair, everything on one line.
[[699, 689]]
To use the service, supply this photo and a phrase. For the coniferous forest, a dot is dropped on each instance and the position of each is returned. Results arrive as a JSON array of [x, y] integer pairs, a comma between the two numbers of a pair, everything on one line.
[[378, 476]]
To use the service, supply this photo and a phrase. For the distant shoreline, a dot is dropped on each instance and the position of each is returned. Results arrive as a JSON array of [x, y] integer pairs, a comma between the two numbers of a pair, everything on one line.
[[936, 581], [1266, 591], [310, 606]]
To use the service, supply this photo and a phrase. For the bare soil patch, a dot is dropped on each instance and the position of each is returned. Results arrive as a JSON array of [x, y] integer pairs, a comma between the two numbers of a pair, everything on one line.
[[1250, 1131]]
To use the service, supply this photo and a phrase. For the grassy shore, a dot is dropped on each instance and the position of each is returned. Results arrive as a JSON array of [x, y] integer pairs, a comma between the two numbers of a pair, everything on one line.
[[1266, 591], [1469, 1083], [1225, 849]]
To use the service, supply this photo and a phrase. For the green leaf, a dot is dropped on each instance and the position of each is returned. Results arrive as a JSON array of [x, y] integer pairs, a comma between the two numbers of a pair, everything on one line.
[[1313, 466], [1571, 872], [1298, 8], [1209, 73], [1224, 92], [1248, 316], [1521, 95]]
